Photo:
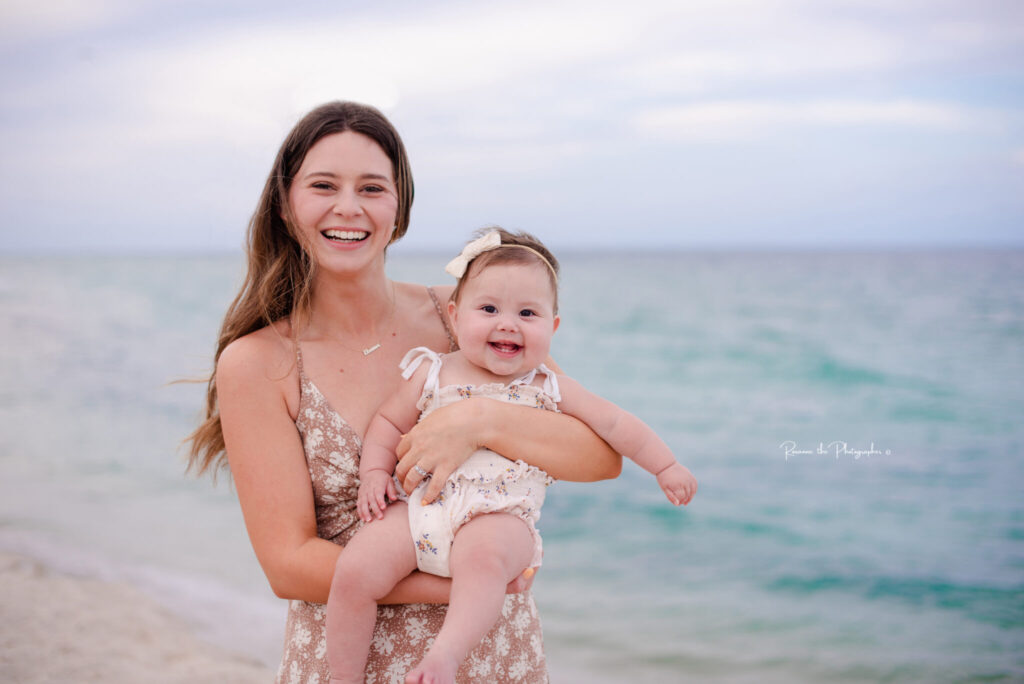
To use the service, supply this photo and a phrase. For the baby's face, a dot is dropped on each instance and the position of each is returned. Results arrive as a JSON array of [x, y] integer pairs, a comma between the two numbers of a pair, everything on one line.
[[505, 318]]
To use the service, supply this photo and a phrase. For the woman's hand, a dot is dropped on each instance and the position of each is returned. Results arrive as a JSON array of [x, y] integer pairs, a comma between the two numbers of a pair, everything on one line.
[[562, 446], [522, 582], [439, 444]]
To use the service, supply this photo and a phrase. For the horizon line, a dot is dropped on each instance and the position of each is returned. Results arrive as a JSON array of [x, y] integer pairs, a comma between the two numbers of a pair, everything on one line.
[[592, 250]]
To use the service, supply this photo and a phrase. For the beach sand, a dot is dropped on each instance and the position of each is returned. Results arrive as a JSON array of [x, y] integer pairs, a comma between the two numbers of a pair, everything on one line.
[[56, 627]]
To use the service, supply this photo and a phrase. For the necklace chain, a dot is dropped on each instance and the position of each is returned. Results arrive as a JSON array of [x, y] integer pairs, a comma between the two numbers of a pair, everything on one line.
[[372, 348]]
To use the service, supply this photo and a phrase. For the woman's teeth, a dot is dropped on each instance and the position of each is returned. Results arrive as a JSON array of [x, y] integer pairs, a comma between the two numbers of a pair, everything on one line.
[[346, 235]]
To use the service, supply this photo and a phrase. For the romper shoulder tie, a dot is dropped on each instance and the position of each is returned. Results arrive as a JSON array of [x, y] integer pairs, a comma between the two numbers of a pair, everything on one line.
[[550, 381], [412, 361]]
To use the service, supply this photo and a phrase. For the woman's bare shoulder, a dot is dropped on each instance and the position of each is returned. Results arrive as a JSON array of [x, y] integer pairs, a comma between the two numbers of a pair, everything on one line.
[[444, 292], [267, 354], [419, 291], [427, 322], [420, 301]]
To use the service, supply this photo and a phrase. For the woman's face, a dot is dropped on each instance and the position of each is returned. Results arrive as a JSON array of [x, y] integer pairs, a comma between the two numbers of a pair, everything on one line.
[[504, 318], [344, 201]]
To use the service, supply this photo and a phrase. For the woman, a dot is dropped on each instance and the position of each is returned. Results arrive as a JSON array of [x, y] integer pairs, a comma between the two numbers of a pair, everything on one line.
[[307, 352]]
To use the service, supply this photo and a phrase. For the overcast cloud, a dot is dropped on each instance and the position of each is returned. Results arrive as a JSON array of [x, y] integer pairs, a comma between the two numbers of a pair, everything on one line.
[[131, 125]]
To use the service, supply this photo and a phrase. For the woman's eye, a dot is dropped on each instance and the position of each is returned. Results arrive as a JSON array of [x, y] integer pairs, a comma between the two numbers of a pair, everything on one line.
[[322, 186], [373, 189]]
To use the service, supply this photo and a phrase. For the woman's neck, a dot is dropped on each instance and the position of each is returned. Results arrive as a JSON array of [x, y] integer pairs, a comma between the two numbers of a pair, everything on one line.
[[351, 307]]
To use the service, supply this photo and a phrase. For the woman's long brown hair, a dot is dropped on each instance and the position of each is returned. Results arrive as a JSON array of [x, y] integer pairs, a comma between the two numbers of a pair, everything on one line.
[[279, 276]]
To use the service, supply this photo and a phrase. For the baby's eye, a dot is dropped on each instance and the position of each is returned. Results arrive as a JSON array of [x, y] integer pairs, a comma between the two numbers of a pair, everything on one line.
[[526, 313], [489, 308]]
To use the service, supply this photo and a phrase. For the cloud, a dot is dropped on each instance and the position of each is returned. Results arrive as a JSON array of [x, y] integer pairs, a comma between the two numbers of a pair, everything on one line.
[[244, 83], [142, 107], [24, 20], [745, 119]]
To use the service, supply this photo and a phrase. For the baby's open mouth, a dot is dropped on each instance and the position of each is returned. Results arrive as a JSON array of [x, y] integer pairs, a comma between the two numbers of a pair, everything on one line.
[[506, 347], [346, 235]]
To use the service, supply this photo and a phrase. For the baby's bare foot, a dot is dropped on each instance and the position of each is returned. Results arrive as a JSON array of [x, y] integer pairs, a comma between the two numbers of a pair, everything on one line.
[[434, 669]]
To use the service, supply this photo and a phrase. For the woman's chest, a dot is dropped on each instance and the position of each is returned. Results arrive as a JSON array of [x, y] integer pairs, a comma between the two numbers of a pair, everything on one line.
[[356, 391], [355, 383]]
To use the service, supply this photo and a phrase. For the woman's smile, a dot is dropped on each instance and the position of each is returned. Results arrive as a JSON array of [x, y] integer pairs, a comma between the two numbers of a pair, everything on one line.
[[336, 235]]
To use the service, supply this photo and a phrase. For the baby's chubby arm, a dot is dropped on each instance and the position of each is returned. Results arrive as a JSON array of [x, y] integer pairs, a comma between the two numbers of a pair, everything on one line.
[[630, 436], [394, 418]]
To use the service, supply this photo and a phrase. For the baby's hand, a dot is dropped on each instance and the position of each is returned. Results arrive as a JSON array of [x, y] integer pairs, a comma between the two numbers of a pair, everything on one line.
[[678, 483], [375, 488]]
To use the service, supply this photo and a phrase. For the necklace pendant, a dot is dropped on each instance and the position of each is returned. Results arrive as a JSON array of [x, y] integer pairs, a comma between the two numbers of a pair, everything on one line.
[[370, 350]]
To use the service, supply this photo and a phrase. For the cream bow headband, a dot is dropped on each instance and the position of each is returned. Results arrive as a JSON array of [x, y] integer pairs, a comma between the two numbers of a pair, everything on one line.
[[457, 266], [492, 240]]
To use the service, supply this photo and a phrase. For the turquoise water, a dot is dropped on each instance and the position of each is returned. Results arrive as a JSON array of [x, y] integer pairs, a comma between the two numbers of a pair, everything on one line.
[[897, 554]]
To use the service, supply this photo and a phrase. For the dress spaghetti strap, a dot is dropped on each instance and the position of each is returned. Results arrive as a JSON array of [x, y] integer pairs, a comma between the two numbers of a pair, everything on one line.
[[452, 346], [298, 362]]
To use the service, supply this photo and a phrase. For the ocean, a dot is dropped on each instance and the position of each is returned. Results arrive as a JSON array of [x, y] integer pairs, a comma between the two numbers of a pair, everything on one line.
[[854, 420]]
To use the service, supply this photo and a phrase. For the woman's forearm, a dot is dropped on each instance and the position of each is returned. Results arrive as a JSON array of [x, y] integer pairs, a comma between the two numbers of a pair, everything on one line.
[[419, 587], [320, 556], [562, 446], [304, 574], [559, 444]]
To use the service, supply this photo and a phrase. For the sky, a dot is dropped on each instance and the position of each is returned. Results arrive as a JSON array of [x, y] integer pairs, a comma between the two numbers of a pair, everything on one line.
[[145, 126]]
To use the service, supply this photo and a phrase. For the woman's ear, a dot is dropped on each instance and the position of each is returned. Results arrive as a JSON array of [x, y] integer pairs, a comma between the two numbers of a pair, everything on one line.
[[558, 319]]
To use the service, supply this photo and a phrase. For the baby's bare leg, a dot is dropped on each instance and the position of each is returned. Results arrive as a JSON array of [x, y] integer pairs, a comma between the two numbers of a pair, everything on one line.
[[489, 552], [373, 562]]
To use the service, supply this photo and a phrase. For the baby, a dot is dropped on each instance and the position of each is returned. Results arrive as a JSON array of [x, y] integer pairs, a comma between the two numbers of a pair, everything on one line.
[[481, 531]]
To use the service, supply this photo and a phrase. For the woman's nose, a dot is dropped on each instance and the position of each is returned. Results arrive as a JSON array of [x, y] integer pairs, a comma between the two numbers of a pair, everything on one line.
[[346, 203]]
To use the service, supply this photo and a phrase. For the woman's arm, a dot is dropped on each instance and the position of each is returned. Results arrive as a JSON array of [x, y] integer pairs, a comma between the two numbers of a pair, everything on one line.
[[559, 444], [420, 587], [269, 468]]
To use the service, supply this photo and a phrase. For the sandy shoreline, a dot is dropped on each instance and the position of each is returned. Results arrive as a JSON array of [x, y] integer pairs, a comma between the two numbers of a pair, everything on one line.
[[57, 627]]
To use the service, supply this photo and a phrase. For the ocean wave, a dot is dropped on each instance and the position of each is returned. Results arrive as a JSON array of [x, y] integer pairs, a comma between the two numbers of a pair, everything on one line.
[[999, 606]]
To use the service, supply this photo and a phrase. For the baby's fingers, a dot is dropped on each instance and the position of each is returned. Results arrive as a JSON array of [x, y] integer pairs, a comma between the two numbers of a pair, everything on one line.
[[381, 504], [670, 494], [363, 508], [688, 490]]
